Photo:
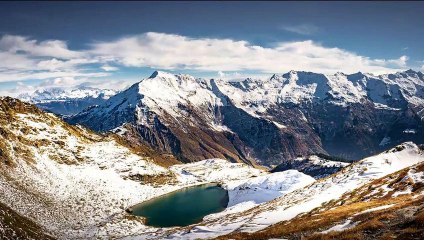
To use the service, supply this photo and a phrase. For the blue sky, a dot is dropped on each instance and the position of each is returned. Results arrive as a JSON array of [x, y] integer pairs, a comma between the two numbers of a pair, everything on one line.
[[116, 43]]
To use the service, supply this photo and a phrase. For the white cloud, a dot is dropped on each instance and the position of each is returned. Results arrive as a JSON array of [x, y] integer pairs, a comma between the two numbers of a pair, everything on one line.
[[108, 68], [221, 74], [53, 63], [303, 29], [33, 75], [23, 59], [48, 48], [169, 51]]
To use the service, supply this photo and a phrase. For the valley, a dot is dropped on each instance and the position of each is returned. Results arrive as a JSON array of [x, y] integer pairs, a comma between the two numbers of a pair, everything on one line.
[[211, 120], [74, 183], [113, 169]]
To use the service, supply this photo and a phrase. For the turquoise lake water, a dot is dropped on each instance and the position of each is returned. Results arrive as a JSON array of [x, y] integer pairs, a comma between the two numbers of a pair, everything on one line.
[[183, 207]]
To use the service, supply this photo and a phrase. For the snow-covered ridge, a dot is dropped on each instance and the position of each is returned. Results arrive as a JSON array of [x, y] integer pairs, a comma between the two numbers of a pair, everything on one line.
[[174, 93], [168, 92], [64, 94], [386, 91], [165, 91], [266, 188], [323, 162], [315, 166], [305, 199]]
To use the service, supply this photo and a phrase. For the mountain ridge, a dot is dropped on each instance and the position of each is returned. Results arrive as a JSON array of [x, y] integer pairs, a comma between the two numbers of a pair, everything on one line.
[[266, 121], [67, 101]]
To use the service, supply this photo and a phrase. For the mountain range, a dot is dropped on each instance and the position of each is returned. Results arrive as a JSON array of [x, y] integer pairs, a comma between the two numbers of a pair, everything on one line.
[[265, 121], [61, 181], [67, 101]]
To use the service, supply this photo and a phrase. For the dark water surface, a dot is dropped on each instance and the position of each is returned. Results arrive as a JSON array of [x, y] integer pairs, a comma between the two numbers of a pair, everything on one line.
[[183, 207]]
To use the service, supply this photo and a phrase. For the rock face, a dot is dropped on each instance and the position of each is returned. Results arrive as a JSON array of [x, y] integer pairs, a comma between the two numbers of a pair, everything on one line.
[[314, 166], [266, 121]]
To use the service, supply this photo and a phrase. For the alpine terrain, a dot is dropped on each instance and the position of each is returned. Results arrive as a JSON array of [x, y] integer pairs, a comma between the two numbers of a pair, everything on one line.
[[188, 120], [66, 182], [67, 101], [265, 122]]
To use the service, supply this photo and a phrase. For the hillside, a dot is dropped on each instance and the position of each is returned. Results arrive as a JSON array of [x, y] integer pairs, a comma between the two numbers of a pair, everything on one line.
[[266, 121], [69, 180], [386, 208], [304, 200], [15, 226]]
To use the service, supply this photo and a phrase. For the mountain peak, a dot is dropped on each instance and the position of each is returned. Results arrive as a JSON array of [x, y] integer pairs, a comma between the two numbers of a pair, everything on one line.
[[161, 74]]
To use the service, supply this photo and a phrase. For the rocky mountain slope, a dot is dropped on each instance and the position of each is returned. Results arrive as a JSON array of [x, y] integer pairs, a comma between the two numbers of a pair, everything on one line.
[[353, 115], [67, 182], [67, 101], [191, 119], [266, 121], [14, 226]]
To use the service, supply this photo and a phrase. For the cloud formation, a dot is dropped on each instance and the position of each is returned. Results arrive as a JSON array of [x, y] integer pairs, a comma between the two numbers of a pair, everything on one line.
[[49, 48], [169, 51], [52, 61]]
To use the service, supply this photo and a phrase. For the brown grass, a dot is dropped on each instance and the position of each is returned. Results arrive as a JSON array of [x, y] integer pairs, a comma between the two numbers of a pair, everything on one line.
[[382, 224]]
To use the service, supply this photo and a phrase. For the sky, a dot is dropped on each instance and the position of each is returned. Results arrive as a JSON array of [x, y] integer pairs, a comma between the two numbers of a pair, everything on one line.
[[114, 44]]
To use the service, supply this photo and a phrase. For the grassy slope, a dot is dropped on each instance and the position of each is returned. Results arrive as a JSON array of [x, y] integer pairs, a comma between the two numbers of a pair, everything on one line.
[[404, 219]]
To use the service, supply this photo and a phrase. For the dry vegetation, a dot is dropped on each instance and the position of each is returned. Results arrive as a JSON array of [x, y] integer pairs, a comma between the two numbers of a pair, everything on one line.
[[402, 219], [15, 226]]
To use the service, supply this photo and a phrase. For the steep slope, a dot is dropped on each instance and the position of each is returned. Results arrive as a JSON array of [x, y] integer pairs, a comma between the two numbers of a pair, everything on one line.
[[57, 174], [267, 121], [71, 182], [191, 119], [15, 226], [351, 114], [387, 208], [67, 101], [306, 199]]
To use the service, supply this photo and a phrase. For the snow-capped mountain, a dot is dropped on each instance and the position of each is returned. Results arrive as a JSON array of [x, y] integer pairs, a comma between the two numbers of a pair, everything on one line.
[[267, 121], [192, 119], [351, 114], [67, 101], [63, 181], [390, 91]]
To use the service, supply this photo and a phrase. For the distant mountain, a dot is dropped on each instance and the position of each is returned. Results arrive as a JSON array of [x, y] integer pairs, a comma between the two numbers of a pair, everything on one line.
[[192, 119], [266, 121], [64, 101], [354, 115]]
